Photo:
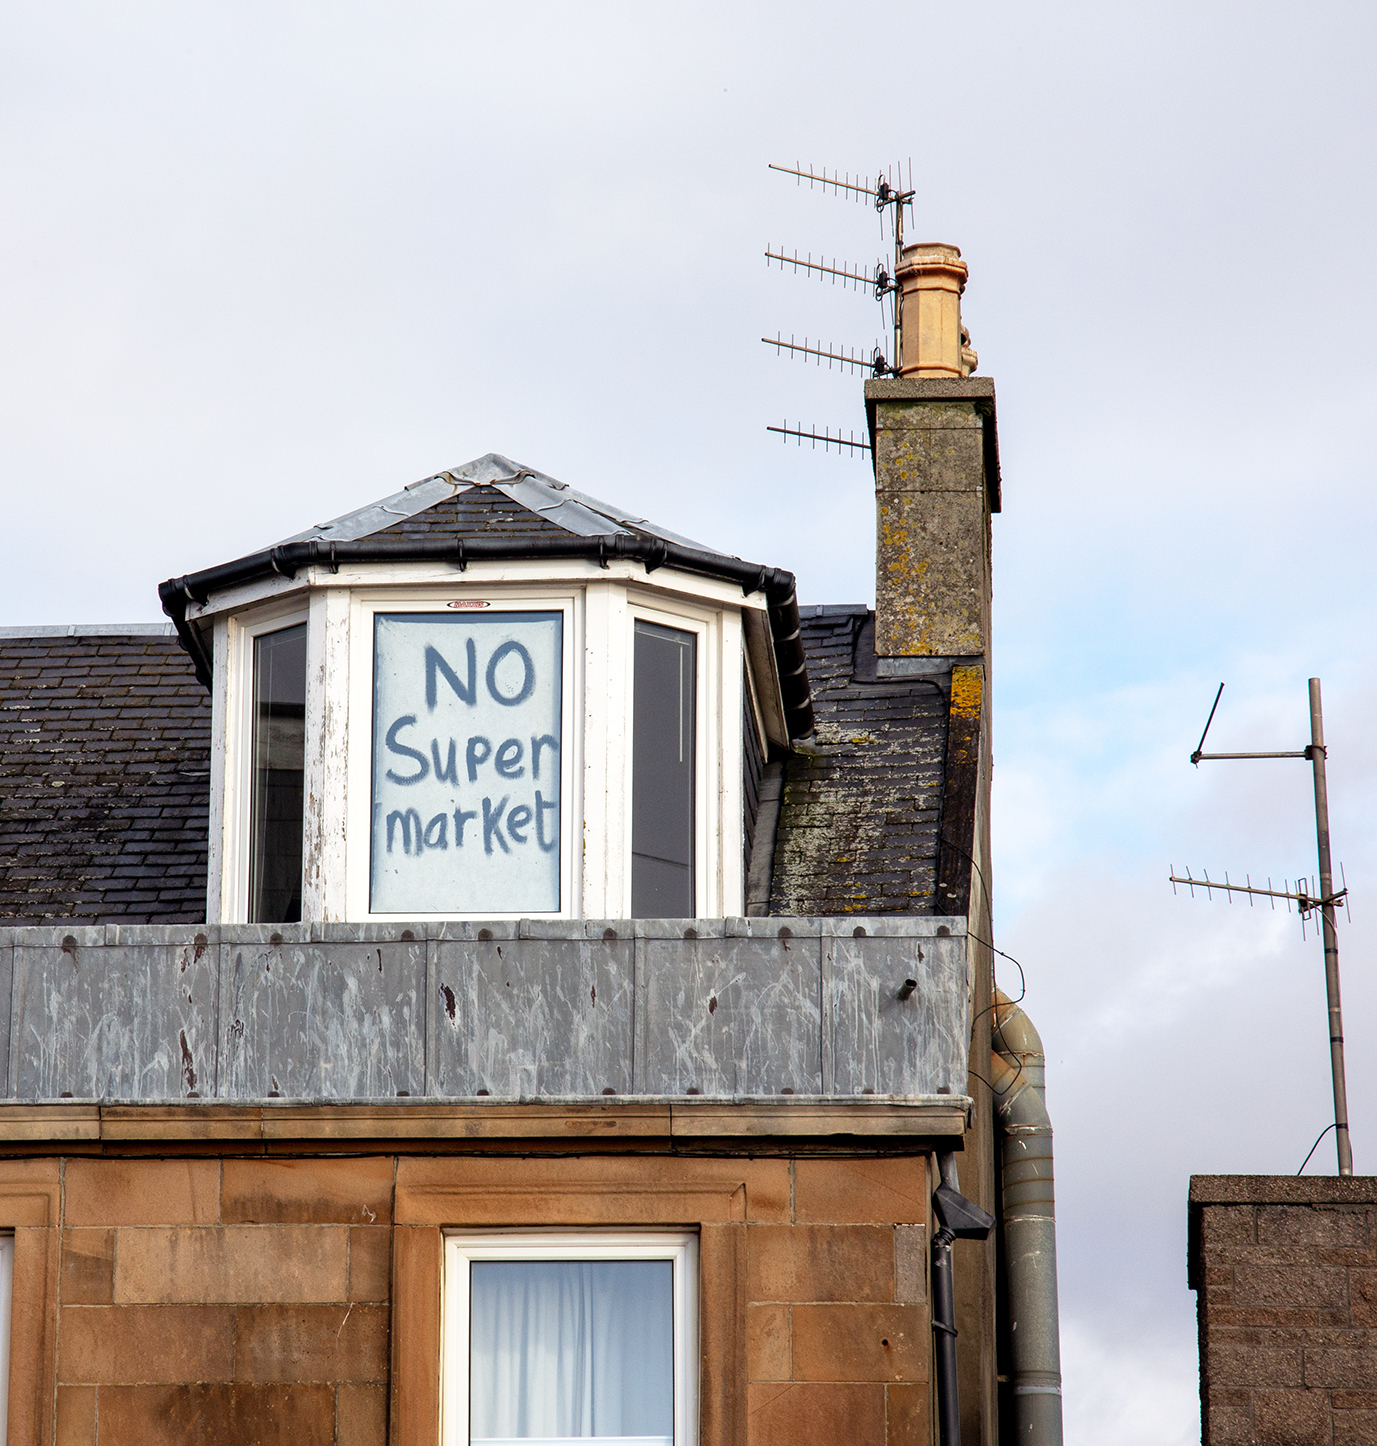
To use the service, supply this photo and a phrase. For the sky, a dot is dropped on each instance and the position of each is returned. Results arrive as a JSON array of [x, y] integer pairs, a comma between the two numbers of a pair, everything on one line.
[[262, 263]]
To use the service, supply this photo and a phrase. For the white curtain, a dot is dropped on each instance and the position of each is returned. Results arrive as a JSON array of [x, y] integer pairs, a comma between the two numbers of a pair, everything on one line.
[[571, 1349]]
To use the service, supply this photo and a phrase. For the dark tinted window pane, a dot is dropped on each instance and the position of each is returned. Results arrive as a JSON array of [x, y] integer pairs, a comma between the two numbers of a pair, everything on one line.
[[279, 764], [662, 762]]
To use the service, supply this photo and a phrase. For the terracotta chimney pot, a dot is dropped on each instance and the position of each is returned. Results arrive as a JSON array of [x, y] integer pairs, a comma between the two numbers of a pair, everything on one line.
[[932, 277]]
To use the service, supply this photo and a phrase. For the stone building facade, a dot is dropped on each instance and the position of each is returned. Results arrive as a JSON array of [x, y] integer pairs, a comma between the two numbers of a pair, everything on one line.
[[338, 1035]]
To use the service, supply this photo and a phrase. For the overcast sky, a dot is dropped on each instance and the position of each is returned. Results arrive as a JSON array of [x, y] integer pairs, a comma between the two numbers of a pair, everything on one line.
[[262, 263]]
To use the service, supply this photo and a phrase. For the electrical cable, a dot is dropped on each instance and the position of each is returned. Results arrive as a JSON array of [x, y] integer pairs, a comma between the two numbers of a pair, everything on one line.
[[1023, 978], [1315, 1147]]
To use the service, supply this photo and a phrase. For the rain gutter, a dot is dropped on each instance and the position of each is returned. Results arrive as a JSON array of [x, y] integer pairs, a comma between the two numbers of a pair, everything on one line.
[[654, 552]]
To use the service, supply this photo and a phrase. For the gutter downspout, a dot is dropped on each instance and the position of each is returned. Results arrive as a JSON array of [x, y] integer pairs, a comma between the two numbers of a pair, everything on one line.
[[957, 1219], [1030, 1225]]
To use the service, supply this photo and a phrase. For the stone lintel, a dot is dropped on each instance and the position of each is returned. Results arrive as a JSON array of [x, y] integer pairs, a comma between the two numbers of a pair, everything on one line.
[[804, 1123]]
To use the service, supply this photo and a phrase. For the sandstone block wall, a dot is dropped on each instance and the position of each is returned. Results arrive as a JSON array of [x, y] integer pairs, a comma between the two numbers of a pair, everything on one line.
[[1285, 1271], [215, 1299], [235, 1301], [838, 1334]]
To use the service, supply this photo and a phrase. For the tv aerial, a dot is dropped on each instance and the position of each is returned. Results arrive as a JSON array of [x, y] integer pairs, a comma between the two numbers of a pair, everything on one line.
[[1309, 899], [889, 197]]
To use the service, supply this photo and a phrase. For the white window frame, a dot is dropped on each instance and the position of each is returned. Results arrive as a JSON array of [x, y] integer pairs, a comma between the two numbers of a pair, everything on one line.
[[364, 607], [460, 1252], [712, 889], [6, 1327], [601, 607], [237, 826]]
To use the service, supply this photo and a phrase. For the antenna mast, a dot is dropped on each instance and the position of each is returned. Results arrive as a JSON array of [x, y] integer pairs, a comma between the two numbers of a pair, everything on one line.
[[1315, 753], [883, 195]]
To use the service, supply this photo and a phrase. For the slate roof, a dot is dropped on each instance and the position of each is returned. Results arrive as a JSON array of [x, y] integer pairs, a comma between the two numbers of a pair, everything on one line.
[[495, 509], [474, 512], [490, 494], [859, 819], [104, 766], [104, 777]]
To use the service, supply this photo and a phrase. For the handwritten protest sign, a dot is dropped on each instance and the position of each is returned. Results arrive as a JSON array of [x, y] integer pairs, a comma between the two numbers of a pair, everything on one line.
[[466, 762]]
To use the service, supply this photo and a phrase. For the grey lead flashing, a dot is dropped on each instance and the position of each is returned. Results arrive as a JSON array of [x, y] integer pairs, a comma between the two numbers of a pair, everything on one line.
[[556, 501], [92, 630], [762, 866], [814, 1007], [923, 667]]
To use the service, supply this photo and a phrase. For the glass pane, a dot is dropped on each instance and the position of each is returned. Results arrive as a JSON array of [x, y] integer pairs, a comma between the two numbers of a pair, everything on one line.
[[279, 766], [662, 758], [466, 762], [6, 1308], [571, 1349]]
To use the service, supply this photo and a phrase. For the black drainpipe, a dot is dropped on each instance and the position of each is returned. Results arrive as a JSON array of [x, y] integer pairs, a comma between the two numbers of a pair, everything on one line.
[[957, 1219]]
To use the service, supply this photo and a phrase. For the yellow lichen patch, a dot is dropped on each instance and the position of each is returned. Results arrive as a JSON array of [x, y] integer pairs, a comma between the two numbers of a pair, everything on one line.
[[967, 689]]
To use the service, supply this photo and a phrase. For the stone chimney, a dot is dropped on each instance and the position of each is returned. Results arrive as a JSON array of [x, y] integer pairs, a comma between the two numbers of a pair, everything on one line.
[[936, 457]]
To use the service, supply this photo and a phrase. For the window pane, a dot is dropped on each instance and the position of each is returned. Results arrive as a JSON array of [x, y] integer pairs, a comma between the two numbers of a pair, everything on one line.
[[6, 1308], [279, 765], [570, 1349], [466, 762], [662, 762]]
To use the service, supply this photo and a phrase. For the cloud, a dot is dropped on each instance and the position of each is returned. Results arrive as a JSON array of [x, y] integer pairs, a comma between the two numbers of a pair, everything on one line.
[[261, 264]]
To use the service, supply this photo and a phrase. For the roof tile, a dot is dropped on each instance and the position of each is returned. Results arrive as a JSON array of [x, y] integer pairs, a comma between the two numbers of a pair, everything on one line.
[[858, 823], [120, 724]]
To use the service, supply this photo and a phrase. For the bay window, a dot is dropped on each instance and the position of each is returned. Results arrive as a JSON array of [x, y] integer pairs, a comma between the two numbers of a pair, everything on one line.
[[563, 1338], [512, 743]]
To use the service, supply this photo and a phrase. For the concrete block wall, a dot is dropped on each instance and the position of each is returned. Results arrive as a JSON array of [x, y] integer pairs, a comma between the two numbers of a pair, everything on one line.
[[1285, 1274], [296, 1299]]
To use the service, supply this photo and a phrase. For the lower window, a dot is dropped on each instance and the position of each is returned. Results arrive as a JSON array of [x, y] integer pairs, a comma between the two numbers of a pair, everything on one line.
[[559, 1338], [6, 1305]]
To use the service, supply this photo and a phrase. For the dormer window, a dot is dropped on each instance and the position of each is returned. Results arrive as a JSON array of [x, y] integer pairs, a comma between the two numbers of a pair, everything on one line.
[[488, 697], [467, 775]]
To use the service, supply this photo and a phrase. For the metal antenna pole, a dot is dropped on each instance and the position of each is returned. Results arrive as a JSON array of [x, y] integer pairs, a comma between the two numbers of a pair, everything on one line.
[[1315, 752], [1331, 938], [898, 289]]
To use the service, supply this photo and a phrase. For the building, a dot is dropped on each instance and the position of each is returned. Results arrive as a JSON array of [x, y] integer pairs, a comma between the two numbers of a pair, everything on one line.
[[1285, 1273], [493, 969]]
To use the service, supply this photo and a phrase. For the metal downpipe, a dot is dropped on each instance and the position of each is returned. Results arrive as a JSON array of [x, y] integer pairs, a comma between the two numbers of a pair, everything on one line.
[[944, 1342], [1030, 1226], [957, 1219]]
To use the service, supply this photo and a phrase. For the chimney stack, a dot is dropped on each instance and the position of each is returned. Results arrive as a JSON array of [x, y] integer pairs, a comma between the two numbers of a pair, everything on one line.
[[936, 457]]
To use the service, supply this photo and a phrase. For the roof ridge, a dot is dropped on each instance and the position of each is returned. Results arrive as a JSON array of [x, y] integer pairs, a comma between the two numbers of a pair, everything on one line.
[[90, 630], [546, 497]]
